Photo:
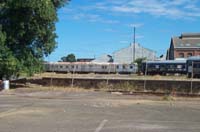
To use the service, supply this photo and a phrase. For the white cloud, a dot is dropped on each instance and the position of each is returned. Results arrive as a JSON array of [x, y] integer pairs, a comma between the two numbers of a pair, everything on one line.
[[167, 8], [113, 11], [136, 25], [93, 18]]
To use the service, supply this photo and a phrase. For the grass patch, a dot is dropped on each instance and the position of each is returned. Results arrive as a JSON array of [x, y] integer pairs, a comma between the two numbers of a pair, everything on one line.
[[168, 98]]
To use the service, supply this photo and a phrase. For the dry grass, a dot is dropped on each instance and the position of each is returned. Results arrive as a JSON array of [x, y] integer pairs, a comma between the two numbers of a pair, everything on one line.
[[110, 76], [168, 98], [38, 88]]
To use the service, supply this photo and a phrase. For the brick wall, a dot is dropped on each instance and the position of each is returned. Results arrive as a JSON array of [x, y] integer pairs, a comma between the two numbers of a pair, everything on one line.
[[194, 52]]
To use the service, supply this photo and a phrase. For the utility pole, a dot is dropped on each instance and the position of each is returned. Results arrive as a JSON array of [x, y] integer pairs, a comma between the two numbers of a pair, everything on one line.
[[134, 45]]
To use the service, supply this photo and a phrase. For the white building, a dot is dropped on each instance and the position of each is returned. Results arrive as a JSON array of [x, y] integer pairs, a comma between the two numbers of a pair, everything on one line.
[[133, 52]]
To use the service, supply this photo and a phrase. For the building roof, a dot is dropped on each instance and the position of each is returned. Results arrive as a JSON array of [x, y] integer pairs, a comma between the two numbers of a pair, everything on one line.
[[187, 40], [190, 35], [132, 45]]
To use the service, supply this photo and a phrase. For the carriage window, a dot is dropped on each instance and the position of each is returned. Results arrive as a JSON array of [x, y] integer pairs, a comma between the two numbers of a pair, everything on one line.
[[157, 66], [131, 67], [117, 67], [72, 66], [61, 66], [66, 66], [104, 67], [179, 66], [196, 65], [181, 55], [76, 67], [189, 54], [171, 66]]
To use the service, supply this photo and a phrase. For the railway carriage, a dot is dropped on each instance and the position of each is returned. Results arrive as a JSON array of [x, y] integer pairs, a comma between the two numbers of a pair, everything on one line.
[[164, 67], [193, 66], [90, 67], [126, 68]]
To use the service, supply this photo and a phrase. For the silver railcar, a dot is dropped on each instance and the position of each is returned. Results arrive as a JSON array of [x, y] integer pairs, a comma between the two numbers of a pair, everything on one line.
[[90, 67]]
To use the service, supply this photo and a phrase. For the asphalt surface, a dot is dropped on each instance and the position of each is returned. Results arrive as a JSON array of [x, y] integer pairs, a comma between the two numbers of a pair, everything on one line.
[[95, 112]]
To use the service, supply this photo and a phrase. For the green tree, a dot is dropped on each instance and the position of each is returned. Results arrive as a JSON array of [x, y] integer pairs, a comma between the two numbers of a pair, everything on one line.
[[29, 29], [69, 58], [8, 63], [139, 63]]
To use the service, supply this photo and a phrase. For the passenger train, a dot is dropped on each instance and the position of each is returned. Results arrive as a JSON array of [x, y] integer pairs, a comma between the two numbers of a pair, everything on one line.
[[193, 66], [164, 67], [189, 66], [90, 67]]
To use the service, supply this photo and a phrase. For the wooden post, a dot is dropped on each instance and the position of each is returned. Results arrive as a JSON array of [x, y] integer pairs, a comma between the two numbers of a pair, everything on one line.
[[145, 81], [192, 75]]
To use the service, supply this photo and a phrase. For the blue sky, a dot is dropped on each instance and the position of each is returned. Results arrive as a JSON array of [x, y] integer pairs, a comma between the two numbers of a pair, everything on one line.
[[91, 28]]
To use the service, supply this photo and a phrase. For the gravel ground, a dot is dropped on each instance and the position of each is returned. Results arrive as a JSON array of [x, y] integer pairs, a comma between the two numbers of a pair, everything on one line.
[[75, 110]]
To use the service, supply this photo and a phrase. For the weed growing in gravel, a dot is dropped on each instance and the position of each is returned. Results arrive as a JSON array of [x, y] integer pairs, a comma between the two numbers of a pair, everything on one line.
[[168, 98]]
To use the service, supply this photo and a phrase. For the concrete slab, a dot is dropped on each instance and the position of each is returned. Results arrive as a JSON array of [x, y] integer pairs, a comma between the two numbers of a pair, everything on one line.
[[96, 112]]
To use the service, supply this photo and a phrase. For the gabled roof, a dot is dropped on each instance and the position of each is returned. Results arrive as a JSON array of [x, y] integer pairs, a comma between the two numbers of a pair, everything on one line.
[[191, 40], [131, 46]]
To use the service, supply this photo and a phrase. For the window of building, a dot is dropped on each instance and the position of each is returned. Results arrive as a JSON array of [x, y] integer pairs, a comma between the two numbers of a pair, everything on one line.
[[181, 55], [189, 54], [124, 67]]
